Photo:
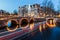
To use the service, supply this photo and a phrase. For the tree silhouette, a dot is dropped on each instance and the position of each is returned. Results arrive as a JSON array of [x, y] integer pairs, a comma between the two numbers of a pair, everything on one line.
[[44, 3], [48, 7], [15, 12], [59, 6], [50, 4]]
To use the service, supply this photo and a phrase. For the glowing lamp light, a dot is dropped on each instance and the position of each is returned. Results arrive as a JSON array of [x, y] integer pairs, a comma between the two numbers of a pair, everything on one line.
[[9, 25], [44, 26], [59, 15], [51, 25], [31, 26], [40, 28]]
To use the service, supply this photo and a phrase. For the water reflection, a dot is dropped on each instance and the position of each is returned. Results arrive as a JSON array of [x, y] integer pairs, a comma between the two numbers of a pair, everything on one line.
[[48, 34], [44, 26], [51, 23], [55, 35], [40, 28], [31, 26]]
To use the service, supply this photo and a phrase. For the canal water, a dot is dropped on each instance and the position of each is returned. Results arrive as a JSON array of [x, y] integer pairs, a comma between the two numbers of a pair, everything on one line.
[[48, 34]]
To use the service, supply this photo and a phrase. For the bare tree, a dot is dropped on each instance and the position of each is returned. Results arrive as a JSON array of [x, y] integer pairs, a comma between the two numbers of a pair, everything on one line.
[[48, 7], [44, 2], [15, 12], [59, 6]]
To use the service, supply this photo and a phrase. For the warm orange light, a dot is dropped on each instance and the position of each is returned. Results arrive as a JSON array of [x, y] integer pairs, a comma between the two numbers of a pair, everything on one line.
[[40, 28], [59, 15], [31, 26], [43, 15], [44, 26], [32, 14], [20, 23], [13, 29], [51, 25], [38, 16]]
